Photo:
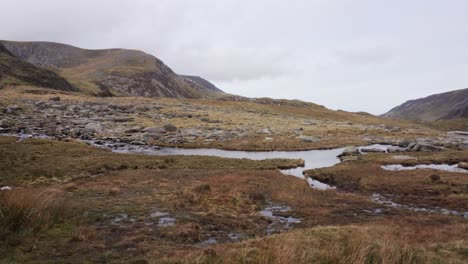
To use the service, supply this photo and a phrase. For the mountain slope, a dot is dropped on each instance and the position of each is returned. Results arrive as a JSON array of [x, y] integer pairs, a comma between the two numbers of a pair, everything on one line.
[[14, 71], [115, 71], [202, 82], [444, 106]]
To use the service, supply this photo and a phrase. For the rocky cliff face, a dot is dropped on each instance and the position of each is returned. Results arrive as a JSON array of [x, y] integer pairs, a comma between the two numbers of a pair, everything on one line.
[[113, 71], [449, 105], [202, 82], [14, 71]]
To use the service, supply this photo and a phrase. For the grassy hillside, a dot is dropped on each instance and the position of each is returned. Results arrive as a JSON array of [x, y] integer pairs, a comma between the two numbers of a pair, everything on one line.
[[444, 106], [109, 71]]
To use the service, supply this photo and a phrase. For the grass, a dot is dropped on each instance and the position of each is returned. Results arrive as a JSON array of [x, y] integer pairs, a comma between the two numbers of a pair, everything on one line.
[[350, 244], [424, 188], [209, 198], [43, 162], [25, 209]]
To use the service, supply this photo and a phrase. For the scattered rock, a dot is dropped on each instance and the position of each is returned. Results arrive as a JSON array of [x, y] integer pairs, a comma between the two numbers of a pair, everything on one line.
[[12, 109]]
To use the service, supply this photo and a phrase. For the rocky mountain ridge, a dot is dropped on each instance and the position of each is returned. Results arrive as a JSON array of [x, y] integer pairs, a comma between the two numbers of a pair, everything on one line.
[[443, 106], [109, 71]]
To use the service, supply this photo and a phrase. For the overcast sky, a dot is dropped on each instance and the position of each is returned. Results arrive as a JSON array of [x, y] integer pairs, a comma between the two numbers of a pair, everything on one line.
[[356, 55]]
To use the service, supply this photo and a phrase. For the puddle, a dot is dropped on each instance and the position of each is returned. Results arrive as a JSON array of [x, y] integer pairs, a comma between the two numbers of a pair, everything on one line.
[[234, 236], [164, 219], [119, 219], [384, 200], [440, 167], [319, 185], [279, 222]]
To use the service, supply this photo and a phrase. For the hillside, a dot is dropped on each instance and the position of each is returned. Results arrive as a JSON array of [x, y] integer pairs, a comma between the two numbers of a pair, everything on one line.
[[202, 82], [109, 71], [444, 106], [14, 71]]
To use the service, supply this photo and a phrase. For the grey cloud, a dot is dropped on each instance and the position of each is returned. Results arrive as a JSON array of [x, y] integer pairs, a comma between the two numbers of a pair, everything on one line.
[[341, 54]]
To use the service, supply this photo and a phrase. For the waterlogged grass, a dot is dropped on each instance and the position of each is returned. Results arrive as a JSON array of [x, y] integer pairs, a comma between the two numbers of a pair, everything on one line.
[[40, 162]]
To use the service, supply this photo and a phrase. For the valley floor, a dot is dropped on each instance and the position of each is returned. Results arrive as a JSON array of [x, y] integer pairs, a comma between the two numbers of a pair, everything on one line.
[[73, 203]]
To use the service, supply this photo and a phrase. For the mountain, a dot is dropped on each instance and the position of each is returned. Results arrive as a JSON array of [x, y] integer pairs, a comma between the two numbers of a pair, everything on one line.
[[202, 82], [14, 71], [443, 106], [109, 71]]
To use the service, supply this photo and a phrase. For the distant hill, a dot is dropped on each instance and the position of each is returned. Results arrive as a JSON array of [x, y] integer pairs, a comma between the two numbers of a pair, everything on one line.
[[202, 82], [14, 71], [444, 106], [111, 71]]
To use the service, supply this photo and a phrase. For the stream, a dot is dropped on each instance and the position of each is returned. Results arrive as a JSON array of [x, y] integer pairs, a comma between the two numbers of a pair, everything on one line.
[[313, 159]]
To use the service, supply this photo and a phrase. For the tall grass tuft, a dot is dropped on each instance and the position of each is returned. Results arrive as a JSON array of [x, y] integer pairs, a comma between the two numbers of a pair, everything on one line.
[[30, 209]]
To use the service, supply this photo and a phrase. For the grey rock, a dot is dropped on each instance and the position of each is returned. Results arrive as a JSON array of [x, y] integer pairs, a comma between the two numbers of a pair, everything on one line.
[[373, 150], [424, 147], [170, 128], [307, 138], [351, 150], [463, 165], [94, 127], [135, 129], [392, 149], [122, 119], [158, 130], [265, 131]]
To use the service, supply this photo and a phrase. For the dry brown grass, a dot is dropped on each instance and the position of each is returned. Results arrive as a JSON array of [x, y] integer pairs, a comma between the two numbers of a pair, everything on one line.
[[36, 209], [84, 233], [346, 245]]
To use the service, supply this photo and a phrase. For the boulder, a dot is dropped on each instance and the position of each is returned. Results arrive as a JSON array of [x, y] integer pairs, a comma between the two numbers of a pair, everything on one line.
[[307, 138], [351, 150], [122, 119], [135, 129], [463, 165], [423, 147], [265, 131], [154, 130], [94, 127], [373, 150], [392, 149], [170, 128]]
